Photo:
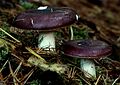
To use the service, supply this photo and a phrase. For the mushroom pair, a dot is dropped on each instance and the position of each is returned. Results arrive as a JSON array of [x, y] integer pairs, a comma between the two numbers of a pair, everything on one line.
[[49, 19], [46, 20], [87, 50]]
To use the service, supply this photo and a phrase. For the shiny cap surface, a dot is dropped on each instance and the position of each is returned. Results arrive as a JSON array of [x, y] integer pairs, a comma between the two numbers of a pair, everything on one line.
[[91, 49], [47, 19]]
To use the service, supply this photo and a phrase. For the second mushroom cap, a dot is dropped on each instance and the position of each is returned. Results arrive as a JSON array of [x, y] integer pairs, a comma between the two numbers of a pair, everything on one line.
[[86, 48]]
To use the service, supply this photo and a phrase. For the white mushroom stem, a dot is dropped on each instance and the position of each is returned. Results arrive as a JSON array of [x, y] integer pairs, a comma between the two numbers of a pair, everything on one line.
[[47, 41], [87, 65], [88, 68]]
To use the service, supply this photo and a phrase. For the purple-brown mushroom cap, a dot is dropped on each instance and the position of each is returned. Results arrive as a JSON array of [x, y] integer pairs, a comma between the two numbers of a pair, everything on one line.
[[92, 49], [47, 19]]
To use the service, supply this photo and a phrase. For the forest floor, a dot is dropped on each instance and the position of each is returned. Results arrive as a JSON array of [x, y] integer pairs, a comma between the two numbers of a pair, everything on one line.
[[99, 20]]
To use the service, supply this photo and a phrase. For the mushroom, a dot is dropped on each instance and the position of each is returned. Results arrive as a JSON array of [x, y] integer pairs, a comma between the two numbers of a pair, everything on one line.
[[47, 20], [87, 50]]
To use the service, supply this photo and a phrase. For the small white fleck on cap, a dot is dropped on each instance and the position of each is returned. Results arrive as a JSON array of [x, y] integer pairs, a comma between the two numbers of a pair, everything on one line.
[[42, 7], [77, 17]]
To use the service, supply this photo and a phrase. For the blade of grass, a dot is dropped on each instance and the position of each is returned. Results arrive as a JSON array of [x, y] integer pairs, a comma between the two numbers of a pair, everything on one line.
[[15, 72], [72, 35], [17, 69], [96, 83], [28, 76], [3, 66], [116, 80], [35, 54], [14, 76], [5, 43], [9, 35], [87, 82]]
